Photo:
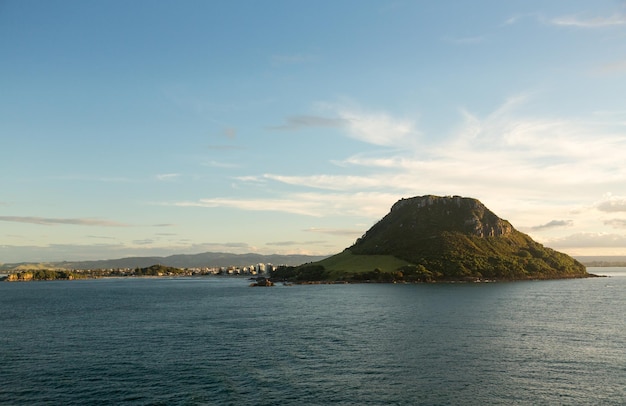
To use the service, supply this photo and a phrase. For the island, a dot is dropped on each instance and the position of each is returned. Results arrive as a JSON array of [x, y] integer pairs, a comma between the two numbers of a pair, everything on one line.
[[438, 239]]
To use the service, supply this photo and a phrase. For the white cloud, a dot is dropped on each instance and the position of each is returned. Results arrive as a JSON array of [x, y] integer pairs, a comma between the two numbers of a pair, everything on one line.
[[526, 168], [615, 67], [590, 22], [308, 204], [511, 148], [616, 223], [553, 224], [223, 165], [574, 20], [47, 221], [230, 132], [496, 154], [304, 207], [295, 243], [329, 182], [613, 204], [225, 147], [295, 123], [377, 128], [145, 241], [337, 231], [586, 240], [516, 18], [166, 177]]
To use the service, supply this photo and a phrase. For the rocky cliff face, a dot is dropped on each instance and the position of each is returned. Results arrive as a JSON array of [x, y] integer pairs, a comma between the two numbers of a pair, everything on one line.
[[22, 276], [449, 213], [427, 216]]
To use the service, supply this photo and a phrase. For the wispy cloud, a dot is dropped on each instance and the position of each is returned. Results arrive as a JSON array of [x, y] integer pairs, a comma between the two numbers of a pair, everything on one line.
[[295, 123], [518, 17], [616, 67], [502, 150], [115, 180], [330, 182], [84, 178], [292, 243], [586, 240], [55, 221], [572, 20], [378, 128], [553, 224], [294, 206], [145, 241], [489, 156], [336, 231], [224, 165], [167, 177], [616, 223], [612, 204], [230, 132], [283, 243], [589, 22], [225, 147], [321, 204]]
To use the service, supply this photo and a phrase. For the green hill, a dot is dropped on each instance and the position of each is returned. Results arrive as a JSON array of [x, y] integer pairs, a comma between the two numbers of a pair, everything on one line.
[[433, 238]]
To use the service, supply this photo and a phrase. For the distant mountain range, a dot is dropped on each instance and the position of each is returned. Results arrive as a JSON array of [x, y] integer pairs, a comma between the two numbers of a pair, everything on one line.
[[206, 259], [599, 261]]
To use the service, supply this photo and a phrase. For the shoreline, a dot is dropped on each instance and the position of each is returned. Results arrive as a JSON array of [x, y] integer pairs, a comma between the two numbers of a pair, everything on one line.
[[67, 276]]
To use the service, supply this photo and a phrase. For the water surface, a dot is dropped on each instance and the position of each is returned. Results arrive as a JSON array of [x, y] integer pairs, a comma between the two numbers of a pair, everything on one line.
[[217, 341]]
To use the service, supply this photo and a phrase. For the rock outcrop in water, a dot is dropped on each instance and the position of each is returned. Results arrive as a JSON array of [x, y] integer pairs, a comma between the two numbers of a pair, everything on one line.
[[432, 238]]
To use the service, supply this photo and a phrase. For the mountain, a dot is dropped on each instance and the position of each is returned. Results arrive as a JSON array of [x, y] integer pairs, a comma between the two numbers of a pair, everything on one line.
[[206, 259], [432, 238]]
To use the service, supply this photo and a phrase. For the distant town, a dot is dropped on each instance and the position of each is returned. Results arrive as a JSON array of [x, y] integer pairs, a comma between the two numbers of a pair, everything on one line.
[[154, 271], [252, 270]]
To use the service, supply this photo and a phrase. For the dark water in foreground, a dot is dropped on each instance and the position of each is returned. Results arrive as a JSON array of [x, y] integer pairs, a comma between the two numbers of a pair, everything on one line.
[[218, 341]]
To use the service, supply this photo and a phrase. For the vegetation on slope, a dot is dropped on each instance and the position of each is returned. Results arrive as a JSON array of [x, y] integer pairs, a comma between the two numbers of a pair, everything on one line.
[[434, 238], [50, 274], [43, 275], [345, 266]]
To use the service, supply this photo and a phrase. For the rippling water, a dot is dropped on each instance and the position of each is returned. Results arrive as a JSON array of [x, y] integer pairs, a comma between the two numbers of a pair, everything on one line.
[[218, 341]]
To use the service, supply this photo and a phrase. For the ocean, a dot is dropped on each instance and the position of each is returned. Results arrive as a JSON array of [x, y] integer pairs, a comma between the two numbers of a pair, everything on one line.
[[217, 341]]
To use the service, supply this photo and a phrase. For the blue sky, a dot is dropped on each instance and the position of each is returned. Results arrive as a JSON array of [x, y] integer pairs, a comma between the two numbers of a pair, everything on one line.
[[163, 127]]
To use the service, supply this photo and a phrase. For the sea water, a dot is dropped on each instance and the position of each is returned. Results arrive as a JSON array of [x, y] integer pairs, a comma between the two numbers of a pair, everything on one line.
[[215, 340]]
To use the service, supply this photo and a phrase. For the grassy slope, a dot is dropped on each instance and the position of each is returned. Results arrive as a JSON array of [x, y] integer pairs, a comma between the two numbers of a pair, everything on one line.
[[348, 263]]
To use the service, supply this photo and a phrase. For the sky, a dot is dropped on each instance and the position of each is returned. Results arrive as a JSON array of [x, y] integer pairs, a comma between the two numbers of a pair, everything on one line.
[[135, 128]]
